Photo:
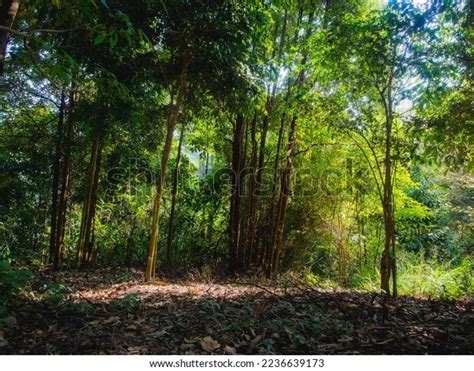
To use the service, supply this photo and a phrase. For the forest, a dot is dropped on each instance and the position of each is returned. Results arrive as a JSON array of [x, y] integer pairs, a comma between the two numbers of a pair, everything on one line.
[[236, 177]]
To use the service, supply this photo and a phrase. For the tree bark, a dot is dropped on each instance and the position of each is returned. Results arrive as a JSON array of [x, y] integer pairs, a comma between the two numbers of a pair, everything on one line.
[[275, 250], [66, 169], [84, 249], [172, 117], [245, 210], [236, 193], [278, 51], [285, 192], [8, 11], [174, 193], [388, 262], [130, 245], [268, 243], [257, 185], [56, 173], [252, 201]]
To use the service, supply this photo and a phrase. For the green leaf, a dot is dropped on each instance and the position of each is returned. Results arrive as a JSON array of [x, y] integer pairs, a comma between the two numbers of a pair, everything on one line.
[[113, 40], [99, 39]]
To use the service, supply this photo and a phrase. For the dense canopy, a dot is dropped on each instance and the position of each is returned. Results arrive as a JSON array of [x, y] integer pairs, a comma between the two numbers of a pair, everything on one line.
[[328, 140]]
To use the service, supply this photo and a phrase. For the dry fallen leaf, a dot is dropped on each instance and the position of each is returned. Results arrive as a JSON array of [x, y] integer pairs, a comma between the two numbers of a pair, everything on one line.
[[209, 344], [192, 291], [345, 339], [111, 319], [230, 350], [3, 342], [260, 308], [10, 321], [255, 342], [191, 341], [160, 283], [187, 347]]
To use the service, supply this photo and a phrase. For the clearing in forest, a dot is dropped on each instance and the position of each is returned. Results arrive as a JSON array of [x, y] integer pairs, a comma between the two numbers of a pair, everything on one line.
[[114, 312]]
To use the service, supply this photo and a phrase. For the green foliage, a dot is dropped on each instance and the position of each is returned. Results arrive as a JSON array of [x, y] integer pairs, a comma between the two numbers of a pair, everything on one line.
[[326, 67], [12, 280], [130, 302], [431, 278], [56, 293], [425, 278]]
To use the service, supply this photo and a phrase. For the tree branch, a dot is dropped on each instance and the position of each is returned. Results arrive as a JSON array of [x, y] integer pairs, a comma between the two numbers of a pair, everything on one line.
[[379, 190], [30, 33]]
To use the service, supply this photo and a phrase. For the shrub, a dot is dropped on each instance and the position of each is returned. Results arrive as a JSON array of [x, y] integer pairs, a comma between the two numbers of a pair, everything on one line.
[[11, 281]]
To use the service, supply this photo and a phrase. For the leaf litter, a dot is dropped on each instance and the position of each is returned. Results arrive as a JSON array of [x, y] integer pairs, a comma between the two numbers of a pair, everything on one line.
[[108, 312]]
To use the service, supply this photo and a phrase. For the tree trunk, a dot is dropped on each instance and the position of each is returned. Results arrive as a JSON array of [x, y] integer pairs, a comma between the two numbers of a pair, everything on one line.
[[253, 197], [56, 174], [275, 250], [174, 193], [277, 155], [172, 117], [235, 200], [252, 201], [388, 263], [130, 245], [268, 243], [8, 11], [243, 247], [257, 185], [62, 203], [285, 192], [90, 200]]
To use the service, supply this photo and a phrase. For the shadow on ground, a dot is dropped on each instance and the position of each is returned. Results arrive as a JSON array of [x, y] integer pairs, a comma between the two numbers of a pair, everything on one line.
[[112, 312]]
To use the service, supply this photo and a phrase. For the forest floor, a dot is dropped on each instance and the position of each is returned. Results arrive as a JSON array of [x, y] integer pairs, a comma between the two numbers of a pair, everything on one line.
[[114, 312]]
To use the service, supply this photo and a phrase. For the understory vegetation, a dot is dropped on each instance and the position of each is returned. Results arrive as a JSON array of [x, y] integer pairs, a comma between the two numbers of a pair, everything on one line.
[[329, 141]]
